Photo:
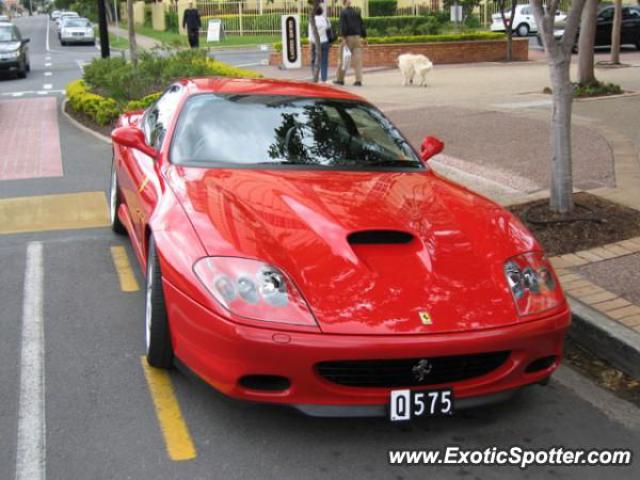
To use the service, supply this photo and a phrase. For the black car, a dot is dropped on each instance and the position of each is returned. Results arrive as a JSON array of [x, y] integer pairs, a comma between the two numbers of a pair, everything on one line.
[[14, 52], [629, 32]]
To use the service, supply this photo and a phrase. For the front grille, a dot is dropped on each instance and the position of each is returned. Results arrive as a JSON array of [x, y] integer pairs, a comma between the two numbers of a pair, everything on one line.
[[410, 372]]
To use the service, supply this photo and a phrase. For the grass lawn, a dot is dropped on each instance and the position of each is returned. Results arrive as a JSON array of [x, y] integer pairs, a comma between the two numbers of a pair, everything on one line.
[[173, 38], [118, 42]]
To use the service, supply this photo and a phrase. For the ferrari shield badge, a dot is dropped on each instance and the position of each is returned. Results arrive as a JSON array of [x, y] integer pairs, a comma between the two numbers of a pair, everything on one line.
[[425, 318]]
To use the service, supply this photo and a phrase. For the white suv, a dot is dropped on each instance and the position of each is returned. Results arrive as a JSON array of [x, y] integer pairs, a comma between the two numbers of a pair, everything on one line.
[[523, 20]]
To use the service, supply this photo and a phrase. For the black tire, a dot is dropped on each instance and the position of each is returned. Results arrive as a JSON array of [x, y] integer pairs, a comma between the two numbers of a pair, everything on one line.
[[28, 66], [158, 338], [22, 73], [114, 203], [523, 30]]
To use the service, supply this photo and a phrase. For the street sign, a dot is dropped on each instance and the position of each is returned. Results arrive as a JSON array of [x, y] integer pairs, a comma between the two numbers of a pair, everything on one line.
[[291, 47], [215, 30]]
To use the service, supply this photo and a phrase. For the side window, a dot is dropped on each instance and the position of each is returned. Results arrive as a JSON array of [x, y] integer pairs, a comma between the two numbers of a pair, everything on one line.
[[157, 117], [631, 14], [16, 34], [526, 11], [606, 15]]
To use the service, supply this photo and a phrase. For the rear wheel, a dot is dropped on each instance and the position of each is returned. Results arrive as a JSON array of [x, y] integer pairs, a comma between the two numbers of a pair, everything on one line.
[[158, 339], [523, 30]]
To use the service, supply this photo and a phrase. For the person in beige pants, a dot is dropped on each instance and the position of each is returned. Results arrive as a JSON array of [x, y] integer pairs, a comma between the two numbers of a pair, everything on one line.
[[353, 32]]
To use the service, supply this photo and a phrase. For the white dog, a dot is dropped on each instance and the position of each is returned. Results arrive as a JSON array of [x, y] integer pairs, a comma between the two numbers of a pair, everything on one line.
[[414, 67]]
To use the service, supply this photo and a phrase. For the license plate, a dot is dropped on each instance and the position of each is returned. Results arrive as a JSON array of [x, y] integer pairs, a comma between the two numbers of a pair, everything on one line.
[[76, 34], [408, 404]]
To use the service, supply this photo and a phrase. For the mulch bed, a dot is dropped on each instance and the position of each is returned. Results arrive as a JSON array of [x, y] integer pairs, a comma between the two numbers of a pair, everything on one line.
[[595, 222], [88, 121]]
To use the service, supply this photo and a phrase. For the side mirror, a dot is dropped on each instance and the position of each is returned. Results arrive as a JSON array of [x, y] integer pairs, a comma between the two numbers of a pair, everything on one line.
[[26, 40], [133, 137], [430, 146]]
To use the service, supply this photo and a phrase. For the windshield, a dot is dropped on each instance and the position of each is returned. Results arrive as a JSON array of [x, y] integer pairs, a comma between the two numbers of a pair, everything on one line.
[[219, 129], [8, 34], [76, 23]]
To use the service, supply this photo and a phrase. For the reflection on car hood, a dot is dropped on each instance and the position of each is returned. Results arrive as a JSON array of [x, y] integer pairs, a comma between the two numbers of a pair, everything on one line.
[[300, 221], [9, 46]]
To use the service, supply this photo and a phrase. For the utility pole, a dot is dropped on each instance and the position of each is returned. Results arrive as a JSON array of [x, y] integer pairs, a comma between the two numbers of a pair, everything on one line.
[[104, 31]]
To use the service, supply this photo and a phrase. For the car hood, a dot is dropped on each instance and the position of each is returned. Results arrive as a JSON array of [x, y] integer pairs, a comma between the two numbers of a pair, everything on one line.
[[447, 278], [9, 46]]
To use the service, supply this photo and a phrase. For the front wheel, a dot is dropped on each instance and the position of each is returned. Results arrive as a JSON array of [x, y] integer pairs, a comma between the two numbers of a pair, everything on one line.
[[158, 339], [114, 202], [523, 30]]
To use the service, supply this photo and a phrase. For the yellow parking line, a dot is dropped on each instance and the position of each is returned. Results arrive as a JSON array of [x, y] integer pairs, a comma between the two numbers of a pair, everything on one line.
[[176, 433], [53, 212], [128, 282]]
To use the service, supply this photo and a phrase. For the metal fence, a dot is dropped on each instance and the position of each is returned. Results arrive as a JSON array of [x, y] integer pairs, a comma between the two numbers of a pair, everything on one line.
[[262, 17]]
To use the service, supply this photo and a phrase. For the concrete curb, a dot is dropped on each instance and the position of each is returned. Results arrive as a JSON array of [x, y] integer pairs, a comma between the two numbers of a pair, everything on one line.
[[605, 338], [77, 124]]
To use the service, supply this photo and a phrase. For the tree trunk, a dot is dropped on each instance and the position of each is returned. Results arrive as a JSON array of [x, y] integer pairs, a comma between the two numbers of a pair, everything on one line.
[[615, 32], [559, 56], [586, 72], [133, 47], [561, 162], [315, 66]]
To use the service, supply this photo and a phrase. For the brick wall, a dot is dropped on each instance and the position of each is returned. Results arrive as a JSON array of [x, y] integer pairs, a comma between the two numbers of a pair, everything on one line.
[[438, 53]]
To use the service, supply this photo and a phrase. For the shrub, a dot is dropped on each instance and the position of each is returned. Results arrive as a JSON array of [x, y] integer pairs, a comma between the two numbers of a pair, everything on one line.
[[453, 37], [382, 8], [597, 89], [406, 25], [102, 110], [117, 79], [171, 22]]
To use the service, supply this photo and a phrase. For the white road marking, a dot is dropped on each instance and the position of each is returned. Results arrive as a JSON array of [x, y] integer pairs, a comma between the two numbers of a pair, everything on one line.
[[47, 74], [31, 449], [31, 92], [47, 58], [47, 40], [47, 64], [47, 86], [81, 64]]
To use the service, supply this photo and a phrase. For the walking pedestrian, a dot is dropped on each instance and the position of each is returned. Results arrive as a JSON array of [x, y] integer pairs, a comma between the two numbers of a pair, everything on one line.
[[191, 21], [324, 27], [353, 34]]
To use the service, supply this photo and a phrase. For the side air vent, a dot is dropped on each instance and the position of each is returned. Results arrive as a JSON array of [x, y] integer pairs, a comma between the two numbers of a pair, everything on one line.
[[379, 237]]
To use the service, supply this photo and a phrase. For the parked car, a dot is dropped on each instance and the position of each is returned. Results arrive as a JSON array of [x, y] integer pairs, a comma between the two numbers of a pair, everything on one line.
[[64, 15], [76, 30], [14, 51], [629, 29], [55, 14], [523, 21], [299, 251], [4, 18]]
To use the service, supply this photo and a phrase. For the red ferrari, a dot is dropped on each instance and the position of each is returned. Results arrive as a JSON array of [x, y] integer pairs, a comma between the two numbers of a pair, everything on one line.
[[299, 251]]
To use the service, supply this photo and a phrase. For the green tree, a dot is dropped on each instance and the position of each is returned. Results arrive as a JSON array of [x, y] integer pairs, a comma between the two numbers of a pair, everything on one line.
[[468, 6]]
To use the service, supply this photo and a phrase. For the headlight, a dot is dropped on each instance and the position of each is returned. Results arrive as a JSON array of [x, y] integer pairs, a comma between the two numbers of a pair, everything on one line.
[[532, 283], [15, 54], [254, 290]]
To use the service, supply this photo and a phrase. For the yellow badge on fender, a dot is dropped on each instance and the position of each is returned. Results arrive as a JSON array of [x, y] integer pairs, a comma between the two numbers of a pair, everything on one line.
[[425, 318]]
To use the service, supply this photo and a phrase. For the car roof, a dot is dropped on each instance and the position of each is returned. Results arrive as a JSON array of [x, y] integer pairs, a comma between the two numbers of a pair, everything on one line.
[[263, 86]]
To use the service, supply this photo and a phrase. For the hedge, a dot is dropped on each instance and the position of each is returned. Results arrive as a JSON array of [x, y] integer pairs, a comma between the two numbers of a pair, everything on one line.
[[111, 86], [100, 109], [376, 26], [453, 37], [383, 8]]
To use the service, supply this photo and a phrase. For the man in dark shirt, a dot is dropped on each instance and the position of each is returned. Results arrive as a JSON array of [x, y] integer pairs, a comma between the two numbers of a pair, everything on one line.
[[353, 33], [191, 21]]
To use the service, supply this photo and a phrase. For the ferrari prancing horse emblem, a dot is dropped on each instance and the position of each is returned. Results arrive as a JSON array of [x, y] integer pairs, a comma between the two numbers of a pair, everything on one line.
[[425, 318]]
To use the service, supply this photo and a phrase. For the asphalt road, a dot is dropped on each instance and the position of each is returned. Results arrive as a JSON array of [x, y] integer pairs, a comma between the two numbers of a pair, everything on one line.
[[72, 339]]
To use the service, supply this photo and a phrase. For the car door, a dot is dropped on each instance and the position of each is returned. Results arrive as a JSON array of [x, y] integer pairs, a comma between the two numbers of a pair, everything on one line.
[[604, 24], [146, 174]]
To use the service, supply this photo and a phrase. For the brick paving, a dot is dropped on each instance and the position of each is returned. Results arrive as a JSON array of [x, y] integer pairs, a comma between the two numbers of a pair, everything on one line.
[[29, 139]]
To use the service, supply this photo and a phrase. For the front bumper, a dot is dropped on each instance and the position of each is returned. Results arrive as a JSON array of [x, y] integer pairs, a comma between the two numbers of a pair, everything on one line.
[[76, 39], [222, 352], [10, 64]]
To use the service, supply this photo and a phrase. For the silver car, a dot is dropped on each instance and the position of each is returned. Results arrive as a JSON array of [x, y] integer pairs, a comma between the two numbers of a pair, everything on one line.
[[77, 30]]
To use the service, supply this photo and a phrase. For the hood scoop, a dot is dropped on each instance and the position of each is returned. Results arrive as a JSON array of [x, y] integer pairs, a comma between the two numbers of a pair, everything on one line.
[[379, 237]]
